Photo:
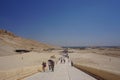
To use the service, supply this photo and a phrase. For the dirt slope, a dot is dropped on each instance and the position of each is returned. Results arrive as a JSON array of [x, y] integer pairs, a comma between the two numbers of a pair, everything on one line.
[[9, 43]]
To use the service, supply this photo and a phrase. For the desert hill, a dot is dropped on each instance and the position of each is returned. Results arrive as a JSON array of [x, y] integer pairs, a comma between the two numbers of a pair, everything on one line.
[[11, 44]]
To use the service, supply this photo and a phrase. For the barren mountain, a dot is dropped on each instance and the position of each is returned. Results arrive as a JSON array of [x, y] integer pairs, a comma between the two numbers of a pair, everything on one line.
[[11, 44]]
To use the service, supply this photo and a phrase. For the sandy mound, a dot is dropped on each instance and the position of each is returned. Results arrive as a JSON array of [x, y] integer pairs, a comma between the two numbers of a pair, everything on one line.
[[10, 43]]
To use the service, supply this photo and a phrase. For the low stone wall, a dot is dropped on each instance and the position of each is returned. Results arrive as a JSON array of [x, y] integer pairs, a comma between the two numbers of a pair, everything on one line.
[[99, 74], [18, 74]]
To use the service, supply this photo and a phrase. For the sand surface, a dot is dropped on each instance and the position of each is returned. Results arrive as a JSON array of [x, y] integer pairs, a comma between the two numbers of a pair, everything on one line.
[[63, 71], [22, 64], [111, 64], [17, 66]]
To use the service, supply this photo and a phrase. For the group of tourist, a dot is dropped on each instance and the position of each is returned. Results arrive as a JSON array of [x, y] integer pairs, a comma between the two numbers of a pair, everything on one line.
[[51, 64], [62, 60]]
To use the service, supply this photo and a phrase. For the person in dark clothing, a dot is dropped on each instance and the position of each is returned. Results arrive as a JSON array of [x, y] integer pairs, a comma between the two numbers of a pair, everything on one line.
[[71, 63], [43, 66], [60, 59], [51, 64], [64, 60]]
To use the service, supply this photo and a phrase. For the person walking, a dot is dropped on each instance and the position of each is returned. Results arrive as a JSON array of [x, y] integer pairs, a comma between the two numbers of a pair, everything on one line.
[[43, 66], [64, 60], [71, 63], [51, 64], [61, 60]]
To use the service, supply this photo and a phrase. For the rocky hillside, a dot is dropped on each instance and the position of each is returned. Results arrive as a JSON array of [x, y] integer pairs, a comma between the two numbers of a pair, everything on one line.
[[11, 44]]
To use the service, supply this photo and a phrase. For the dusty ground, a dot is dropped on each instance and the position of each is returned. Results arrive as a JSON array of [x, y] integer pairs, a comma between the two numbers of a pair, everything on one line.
[[17, 66], [111, 64], [103, 62], [98, 61], [113, 52]]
